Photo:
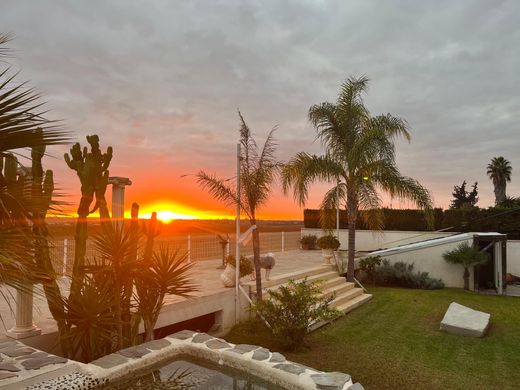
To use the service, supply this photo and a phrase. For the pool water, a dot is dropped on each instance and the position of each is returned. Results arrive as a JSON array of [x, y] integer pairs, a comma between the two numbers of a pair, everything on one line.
[[186, 373]]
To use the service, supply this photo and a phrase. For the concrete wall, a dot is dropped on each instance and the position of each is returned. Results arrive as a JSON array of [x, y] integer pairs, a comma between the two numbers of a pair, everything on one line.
[[371, 240], [513, 257], [430, 260]]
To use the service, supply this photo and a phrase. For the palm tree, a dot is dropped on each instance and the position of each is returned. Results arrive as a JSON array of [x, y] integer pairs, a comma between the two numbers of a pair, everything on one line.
[[467, 256], [359, 159], [22, 127], [499, 170], [258, 169]]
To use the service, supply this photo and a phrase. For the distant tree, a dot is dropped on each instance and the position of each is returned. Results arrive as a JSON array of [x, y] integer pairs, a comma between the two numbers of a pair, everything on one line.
[[499, 171], [258, 169], [463, 199], [467, 256]]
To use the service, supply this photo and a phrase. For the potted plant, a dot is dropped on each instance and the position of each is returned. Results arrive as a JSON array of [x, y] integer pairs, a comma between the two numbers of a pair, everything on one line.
[[328, 245], [228, 276], [308, 242]]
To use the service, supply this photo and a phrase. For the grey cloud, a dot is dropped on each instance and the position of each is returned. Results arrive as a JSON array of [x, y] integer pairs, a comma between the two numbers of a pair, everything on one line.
[[164, 78]]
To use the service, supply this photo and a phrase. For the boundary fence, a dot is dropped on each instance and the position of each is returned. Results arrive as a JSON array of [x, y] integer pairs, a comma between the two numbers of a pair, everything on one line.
[[197, 247]]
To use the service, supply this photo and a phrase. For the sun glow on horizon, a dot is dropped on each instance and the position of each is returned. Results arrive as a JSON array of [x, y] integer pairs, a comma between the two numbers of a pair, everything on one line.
[[169, 211]]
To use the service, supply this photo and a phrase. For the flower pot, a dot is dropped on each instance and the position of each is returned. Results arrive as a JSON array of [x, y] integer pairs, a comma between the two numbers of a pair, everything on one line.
[[228, 276], [327, 255], [341, 260]]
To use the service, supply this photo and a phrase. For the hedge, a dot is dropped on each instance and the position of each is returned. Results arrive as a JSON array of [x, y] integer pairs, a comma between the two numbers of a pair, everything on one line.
[[505, 221]]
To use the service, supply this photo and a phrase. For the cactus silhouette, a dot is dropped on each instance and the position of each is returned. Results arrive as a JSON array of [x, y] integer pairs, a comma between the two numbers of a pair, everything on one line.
[[92, 170]]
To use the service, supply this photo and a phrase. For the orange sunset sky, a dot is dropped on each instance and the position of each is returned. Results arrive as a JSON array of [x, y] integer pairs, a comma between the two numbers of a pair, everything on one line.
[[162, 83]]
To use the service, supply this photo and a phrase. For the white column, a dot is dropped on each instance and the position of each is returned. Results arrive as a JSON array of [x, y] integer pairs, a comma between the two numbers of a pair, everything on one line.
[[24, 326], [283, 241], [118, 198]]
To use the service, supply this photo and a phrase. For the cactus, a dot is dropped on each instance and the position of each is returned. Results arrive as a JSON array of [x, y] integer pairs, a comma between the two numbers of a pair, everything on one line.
[[42, 188], [92, 170]]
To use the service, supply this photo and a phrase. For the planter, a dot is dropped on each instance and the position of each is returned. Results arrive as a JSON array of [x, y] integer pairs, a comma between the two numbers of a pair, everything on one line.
[[228, 276], [327, 255], [341, 260]]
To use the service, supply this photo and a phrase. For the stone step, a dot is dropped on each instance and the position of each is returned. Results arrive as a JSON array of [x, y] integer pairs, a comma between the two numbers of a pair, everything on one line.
[[354, 303], [298, 275], [346, 297], [339, 289]]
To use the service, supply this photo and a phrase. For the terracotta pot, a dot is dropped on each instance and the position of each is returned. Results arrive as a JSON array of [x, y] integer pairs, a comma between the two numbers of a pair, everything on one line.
[[327, 255]]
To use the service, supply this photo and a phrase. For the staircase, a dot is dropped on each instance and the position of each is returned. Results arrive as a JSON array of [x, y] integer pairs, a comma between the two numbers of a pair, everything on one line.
[[347, 297]]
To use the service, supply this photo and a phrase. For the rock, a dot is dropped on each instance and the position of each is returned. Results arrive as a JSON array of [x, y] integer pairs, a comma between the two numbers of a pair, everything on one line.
[[183, 334], [291, 368], [156, 344], [110, 361], [244, 348], [202, 338], [462, 320], [261, 354], [277, 358], [330, 380], [217, 344], [17, 351], [33, 364], [5, 375], [134, 352], [8, 367], [356, 386]]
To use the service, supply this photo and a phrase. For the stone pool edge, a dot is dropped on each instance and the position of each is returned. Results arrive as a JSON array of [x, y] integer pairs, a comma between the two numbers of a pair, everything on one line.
[[260, 362]]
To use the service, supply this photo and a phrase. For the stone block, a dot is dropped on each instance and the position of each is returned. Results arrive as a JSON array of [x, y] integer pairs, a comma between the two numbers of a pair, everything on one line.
[[464, 321]]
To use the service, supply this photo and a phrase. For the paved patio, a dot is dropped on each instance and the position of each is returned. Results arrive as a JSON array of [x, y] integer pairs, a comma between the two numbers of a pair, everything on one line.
[[205, 273]]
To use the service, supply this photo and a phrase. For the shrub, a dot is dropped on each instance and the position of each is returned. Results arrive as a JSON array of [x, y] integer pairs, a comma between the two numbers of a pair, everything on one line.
[[308, 241], [401, 274], [292, 309], [328, 242], [369, 265], [246, 268]]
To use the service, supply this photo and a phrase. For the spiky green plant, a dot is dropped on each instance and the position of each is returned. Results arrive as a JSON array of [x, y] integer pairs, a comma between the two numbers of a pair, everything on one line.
[[359, 159], [499, 171], [258, 170], [22, 126], [467, 256], [166, 274]]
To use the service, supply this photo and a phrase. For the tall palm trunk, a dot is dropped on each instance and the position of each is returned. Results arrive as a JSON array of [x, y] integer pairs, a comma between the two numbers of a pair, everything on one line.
[[256, 257], [500, 193], [352, 218]]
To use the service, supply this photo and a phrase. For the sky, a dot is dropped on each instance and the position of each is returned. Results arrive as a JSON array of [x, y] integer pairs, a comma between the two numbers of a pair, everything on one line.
[[161, 82]]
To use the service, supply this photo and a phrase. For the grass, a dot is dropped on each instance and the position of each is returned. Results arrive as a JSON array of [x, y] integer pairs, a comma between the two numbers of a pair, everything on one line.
[[394, 342]]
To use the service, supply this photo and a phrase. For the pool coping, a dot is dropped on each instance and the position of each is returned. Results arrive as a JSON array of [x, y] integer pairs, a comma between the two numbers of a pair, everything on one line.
[[270, 366]]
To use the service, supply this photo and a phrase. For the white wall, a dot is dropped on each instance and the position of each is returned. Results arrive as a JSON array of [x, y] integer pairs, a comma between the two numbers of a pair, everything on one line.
[[371, 240], [430, 260], [513, 257]]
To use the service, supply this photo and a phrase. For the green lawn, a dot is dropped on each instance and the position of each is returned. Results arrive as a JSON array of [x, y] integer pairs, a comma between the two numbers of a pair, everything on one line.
[[393, 342]]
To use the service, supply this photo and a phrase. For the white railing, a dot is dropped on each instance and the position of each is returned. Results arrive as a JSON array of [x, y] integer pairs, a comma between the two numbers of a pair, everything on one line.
[[198, 247]]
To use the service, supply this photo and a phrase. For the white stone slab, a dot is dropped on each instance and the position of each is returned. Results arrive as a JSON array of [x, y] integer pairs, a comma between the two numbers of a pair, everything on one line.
[[462, 320]]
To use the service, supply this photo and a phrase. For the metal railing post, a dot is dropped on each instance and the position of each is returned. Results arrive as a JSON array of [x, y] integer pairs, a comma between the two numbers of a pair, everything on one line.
[[283, 241], [189, 248], [65, 256]]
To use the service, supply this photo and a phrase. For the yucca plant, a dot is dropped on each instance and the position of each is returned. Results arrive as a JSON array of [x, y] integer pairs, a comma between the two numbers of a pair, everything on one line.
[[167, 273]]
